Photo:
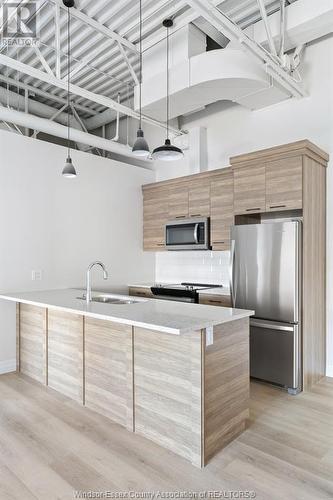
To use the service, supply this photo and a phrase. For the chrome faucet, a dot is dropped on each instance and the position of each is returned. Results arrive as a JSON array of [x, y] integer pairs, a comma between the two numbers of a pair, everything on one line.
[[105, 276]]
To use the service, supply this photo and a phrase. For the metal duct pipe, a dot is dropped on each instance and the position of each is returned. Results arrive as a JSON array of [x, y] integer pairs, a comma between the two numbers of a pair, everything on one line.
[[100, 119], [58, 130], [18, 101]]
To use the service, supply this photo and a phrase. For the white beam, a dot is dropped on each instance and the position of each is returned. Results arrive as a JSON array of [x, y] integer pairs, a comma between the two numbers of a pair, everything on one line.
[[101, 28], [79, 91], [129, 65], [206, 9], [264, 17], [43, 61]]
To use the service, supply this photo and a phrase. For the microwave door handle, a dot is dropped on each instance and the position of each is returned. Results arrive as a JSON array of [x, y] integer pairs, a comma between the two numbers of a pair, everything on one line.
[[195, 234]]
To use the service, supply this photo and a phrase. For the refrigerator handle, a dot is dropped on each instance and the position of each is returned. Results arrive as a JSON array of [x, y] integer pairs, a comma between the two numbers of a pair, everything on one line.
[[231, 272]]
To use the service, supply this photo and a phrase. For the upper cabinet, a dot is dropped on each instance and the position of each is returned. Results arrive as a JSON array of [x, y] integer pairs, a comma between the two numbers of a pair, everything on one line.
[[269, 187], [249, 190], [284, 184], [270, 180], [199, 198], [222, 209], [178, 195], [155, 216]]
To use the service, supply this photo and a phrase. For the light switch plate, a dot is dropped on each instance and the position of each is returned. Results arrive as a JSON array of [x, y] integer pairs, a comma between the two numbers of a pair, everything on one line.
[[209, 336]]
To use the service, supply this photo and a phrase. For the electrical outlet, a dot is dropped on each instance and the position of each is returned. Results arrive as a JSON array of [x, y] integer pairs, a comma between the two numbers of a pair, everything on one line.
[[36, 275], [209, 336]]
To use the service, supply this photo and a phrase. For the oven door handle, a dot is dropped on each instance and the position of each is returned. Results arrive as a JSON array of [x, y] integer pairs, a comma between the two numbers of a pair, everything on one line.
[[195, 233]]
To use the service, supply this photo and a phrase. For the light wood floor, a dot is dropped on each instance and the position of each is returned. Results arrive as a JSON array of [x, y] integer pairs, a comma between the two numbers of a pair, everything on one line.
[[50, 446]]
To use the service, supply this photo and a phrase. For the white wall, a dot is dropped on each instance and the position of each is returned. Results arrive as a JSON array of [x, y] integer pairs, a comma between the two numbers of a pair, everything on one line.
[[236, 130], [59, 226]]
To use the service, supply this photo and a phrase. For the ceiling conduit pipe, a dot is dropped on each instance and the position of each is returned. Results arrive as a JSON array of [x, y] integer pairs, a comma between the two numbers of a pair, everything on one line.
[[116, 137], [17, 101], [56, 129]]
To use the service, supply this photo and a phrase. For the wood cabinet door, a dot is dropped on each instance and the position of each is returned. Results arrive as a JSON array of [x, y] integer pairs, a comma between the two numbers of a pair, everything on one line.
[[109, 370], [199, 198], [65, 353], [155, 215], [215, 300], [222, 210], [137, 291], [178, 201], [249, 190], [32, 341], [284, 184]]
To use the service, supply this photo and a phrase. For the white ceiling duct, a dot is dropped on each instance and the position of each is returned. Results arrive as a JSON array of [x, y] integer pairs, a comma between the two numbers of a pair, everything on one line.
[[199, 78], [223, 74]]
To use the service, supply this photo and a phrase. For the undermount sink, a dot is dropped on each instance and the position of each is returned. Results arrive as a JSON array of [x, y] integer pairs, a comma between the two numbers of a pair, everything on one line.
[[107, 299]]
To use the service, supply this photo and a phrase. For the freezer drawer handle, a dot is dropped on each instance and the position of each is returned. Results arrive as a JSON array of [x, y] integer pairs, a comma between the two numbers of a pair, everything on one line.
[[271, 326]]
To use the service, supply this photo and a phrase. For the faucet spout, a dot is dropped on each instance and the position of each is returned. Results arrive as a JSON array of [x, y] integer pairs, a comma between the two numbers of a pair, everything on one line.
[[105, 276]]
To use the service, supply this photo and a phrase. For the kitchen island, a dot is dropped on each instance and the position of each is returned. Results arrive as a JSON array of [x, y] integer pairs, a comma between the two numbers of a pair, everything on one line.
[[175, 373]]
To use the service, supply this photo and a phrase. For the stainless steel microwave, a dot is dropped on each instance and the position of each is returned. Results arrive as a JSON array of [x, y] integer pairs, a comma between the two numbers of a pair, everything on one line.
[[188, 234]]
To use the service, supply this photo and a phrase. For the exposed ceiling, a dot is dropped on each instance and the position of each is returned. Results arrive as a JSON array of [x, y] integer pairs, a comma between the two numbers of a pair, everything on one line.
[[99, 63]]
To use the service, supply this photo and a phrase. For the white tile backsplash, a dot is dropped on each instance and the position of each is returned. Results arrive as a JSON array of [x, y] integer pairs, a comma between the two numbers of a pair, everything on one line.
[[195, 267]]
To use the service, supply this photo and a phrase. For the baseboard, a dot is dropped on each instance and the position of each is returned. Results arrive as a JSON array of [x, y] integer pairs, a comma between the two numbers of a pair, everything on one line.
[[7, 366], [329, 371]]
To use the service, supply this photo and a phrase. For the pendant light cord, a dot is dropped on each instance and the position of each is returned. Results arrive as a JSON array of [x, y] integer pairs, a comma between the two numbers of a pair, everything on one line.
[[68, 78], [167, 82], [140, 97]]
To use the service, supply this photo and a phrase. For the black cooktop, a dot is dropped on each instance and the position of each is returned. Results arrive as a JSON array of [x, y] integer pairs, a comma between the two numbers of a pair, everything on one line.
[[189, 290], [189, 286]]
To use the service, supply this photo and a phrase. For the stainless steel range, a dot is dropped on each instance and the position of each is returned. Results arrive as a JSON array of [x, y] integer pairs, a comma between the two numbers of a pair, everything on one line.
[[183, 292]]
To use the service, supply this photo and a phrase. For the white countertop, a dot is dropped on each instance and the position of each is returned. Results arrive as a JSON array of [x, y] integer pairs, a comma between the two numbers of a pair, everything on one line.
[[168, 317]]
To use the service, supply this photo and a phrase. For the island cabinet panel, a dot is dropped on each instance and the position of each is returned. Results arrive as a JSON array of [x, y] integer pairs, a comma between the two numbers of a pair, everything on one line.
[[199, 198], [249, 190], [178, 200], [155, 215], [32, 342], [167, 390], [108, 370], [222, 210], [226, 385], [284, 184], [65, 353]]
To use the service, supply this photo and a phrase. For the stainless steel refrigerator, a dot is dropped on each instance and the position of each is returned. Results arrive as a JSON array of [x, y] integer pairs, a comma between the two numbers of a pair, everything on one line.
[[266, 277]]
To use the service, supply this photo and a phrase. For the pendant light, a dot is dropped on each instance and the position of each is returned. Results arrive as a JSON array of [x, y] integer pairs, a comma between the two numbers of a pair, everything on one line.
[[68, 171], [167, 152], [140, 148]]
